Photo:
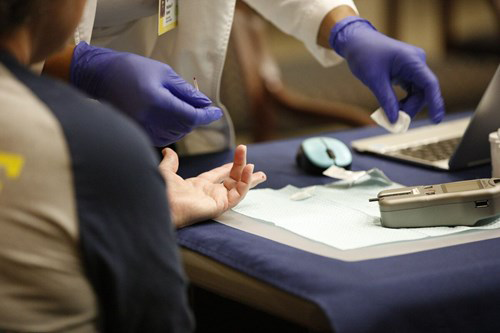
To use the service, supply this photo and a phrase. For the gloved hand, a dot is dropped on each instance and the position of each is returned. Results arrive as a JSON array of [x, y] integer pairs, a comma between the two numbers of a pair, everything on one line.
[[149, 91], [379, 61]]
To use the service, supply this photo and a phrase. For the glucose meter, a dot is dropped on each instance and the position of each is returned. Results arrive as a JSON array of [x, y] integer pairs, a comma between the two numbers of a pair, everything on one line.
[[449, 204]]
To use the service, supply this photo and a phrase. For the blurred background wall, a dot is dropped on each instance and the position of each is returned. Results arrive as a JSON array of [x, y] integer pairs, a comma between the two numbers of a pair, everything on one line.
[[461, 39]]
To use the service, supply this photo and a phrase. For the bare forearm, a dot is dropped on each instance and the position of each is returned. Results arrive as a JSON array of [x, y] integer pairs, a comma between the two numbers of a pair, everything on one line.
[[58, 65], [332, 18]]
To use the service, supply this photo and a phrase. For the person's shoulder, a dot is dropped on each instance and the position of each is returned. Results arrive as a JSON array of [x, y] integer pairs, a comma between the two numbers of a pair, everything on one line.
[[82, 119]]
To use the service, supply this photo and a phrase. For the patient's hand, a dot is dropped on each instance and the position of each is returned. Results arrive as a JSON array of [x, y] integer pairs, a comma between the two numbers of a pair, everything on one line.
[[211, 193]]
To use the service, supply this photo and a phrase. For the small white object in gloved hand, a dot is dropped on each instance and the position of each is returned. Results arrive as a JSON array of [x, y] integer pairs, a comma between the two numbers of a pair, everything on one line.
[[400, 126]]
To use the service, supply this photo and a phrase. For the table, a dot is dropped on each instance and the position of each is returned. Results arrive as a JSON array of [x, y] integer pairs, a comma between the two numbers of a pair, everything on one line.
[[450, 288]]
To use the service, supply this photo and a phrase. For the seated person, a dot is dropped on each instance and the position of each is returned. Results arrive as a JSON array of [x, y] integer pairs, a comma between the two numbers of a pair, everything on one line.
[[86, 240]]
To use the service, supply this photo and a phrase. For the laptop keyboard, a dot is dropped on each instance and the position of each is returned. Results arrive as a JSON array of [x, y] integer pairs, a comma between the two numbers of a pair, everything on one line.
[[432, 152]]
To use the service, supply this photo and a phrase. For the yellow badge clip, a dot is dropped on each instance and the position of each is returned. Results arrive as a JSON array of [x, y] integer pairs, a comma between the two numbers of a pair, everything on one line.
[[167, 16]]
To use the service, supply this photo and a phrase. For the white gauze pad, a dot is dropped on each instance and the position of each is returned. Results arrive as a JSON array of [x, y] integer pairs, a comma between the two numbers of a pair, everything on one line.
[[400, 126]]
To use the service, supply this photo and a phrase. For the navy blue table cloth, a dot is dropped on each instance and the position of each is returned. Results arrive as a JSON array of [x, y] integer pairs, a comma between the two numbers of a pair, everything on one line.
[[451, 289]]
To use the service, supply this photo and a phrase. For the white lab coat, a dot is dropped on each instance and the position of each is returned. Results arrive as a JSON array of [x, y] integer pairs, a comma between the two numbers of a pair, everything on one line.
[[197, 47]]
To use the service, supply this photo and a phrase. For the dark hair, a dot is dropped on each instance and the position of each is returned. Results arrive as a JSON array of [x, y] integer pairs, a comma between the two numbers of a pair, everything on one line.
[[14, 13]]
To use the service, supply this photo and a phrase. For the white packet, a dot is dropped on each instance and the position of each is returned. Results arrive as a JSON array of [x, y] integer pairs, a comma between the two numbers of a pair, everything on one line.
[[400, 126]]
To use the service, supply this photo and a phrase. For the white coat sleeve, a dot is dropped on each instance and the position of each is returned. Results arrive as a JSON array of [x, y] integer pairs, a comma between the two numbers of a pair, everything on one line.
[[302, 19], [83, 31]]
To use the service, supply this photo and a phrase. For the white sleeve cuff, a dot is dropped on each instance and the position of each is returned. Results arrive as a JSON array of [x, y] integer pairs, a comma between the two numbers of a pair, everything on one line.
[[302, 19], [83, 32], [317, 12]]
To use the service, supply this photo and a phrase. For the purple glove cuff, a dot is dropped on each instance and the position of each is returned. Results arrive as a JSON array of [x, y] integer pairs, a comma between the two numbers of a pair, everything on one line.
[[336, 41], [81, 76], [75, 73]]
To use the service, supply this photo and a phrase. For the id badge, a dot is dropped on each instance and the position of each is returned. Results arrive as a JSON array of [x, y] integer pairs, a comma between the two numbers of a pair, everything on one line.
[[167, 16]]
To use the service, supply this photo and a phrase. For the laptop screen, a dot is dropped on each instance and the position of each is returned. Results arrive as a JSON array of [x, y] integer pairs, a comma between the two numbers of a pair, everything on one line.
[[474, 148]]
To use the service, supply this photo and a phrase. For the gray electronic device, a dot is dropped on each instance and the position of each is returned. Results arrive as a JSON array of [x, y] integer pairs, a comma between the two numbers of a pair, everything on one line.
[[448, 204]]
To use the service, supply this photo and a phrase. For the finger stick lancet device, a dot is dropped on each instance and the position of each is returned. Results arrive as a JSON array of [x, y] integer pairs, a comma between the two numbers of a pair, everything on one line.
[[195, 83], [449, 204]]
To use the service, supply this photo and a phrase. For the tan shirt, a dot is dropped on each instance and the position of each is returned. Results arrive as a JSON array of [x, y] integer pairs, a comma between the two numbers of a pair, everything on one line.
[[42, 285]]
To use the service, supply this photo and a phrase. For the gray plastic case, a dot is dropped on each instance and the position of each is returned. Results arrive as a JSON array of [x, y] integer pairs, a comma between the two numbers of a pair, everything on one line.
[[436, 205]]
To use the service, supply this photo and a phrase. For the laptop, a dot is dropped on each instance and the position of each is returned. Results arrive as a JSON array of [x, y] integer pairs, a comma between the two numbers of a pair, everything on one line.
[[451, 145]]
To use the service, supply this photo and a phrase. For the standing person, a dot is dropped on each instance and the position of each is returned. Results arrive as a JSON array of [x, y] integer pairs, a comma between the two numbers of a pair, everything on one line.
[[86, 238], [330, 29]]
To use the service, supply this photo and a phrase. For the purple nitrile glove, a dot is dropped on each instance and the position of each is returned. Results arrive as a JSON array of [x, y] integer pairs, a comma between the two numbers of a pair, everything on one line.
[[379, 61], [165, 105]]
